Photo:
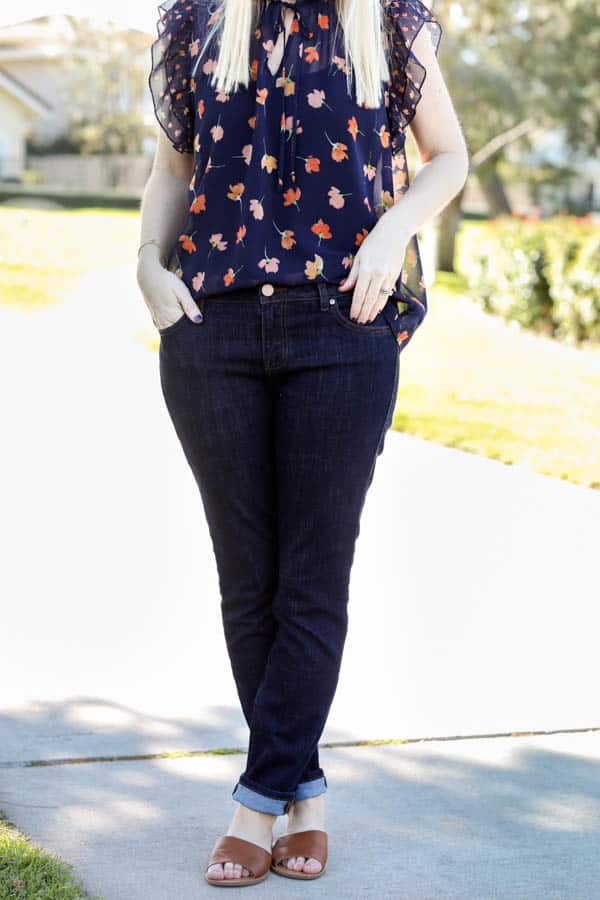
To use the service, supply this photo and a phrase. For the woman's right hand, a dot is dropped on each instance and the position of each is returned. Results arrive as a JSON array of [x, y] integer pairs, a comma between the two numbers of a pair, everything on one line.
[[165, 294]]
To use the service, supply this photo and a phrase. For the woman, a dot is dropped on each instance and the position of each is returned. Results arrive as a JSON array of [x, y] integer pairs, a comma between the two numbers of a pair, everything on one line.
[[285, 281]]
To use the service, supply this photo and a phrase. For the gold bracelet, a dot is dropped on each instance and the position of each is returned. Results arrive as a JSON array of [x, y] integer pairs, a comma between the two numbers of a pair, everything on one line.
[[149, 241]]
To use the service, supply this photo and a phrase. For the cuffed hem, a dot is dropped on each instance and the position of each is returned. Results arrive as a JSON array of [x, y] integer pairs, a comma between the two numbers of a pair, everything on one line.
[[260, 802], [312, 788]]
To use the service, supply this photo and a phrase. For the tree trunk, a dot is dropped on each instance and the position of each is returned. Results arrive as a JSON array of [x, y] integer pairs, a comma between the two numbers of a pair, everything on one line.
[[493, 190], [447, 228]]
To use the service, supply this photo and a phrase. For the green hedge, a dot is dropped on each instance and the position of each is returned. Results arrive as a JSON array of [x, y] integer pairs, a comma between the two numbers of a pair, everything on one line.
[[545, 274]]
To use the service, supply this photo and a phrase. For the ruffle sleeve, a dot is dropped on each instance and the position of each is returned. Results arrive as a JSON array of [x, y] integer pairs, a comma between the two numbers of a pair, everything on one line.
[[407, 74], [170, 81]]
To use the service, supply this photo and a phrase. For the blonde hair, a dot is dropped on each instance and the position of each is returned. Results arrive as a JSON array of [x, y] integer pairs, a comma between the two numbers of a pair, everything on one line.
[[360, 21]]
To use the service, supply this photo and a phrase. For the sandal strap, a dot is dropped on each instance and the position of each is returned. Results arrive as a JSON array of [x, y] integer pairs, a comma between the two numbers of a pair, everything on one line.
[[229, 848], [311, 844]]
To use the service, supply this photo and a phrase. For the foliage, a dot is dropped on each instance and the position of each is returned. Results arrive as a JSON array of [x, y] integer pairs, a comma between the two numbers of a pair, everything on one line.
[[31, 873], [543, 274]]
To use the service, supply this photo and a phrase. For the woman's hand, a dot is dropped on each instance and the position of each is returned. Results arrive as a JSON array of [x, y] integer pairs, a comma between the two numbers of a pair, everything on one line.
[[165, 294], [376, 267]]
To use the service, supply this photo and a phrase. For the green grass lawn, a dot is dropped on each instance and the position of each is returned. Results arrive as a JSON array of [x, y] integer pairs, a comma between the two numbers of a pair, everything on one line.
[[29, 873], [43, 252], [471, 381], [468, 380]]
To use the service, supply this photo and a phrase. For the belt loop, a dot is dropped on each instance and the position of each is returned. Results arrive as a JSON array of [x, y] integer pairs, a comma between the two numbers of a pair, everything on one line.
[[323, 295]]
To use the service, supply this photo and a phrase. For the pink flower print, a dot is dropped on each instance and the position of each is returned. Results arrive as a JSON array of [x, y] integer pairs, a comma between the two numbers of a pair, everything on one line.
[[257, 209], [347, 261], [216, 243], [221, 97], [269, 263], [340, 63], [198, 281], [247, 153], [316, 99], [369, 171], [209, 66], [336, 198], [217, 131]]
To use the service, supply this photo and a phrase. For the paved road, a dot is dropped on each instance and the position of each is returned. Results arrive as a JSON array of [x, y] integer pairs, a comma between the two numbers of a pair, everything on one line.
[[487, 621]]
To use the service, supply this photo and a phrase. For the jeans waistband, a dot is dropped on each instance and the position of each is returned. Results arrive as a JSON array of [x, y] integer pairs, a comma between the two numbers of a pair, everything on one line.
[[303, 291]]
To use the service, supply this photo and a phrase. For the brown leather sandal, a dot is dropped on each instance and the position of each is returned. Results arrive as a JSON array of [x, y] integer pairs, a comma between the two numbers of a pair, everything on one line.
[[229, 848], [311, 843]]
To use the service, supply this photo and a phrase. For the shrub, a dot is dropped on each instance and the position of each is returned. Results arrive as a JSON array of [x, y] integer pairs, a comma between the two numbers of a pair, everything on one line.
[[543, 274]]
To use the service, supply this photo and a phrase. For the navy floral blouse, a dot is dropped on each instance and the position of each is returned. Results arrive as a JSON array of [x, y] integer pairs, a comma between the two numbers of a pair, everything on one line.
[[290, 174]]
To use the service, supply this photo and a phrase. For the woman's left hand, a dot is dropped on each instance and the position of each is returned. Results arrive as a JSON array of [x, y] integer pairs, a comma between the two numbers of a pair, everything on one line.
[[376, 268]]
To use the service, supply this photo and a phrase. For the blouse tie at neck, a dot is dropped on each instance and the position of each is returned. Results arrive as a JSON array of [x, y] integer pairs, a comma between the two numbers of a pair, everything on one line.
[[289, 75]]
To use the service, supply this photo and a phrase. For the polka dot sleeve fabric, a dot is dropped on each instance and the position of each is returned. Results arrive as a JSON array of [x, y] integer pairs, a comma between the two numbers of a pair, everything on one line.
[[171, 85], [407, 18]]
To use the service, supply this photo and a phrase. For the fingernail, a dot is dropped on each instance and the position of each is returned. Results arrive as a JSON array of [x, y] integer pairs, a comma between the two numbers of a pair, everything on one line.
[[198, 318]]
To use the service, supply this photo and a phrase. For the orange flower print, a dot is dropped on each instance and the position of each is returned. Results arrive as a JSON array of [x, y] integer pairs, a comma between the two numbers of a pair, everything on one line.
[[314, 267], [187, 243], [257, 210], [261, 96], [252, 122], [235, 192], [321, 229], [291, 197], [338, 150], [311, 54], [360, 237], [198, 281], [353, 127], [230, 275], [254, 70], [268, 162], [312, 164], [240, 234], [201, 108], [336, 198], [323, 21], [401, 336], [199, 204], [269, 263], [286, 82], [316, 99], [287, 237], [384, 136]]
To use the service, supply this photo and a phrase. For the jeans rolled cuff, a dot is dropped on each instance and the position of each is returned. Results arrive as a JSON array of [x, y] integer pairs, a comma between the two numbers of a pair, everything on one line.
[[312, 788], [260, 802]]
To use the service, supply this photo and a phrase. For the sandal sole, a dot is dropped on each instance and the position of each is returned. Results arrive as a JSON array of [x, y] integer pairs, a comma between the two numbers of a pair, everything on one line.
[[236, 882], [299, 876]]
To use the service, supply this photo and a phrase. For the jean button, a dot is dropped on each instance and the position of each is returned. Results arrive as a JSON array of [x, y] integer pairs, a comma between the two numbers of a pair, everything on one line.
[[267, 289]]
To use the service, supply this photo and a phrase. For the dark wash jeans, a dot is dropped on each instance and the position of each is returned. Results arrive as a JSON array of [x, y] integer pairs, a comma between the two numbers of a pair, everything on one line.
[[281, 404]]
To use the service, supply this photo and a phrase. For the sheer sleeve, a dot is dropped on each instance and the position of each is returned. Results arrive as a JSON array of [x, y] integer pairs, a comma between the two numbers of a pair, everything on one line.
[[406, 19], [170, 81]]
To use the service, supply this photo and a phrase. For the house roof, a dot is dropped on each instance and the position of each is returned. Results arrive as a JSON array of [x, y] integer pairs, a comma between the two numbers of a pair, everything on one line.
[[23, 94]]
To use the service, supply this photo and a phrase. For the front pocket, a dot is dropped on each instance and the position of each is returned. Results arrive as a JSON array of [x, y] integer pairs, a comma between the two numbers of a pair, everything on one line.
[[341, 308], [169, 329]]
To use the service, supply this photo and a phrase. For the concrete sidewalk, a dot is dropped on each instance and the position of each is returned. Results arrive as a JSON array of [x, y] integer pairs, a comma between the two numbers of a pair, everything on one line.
[[493, 819], [485, 623]]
